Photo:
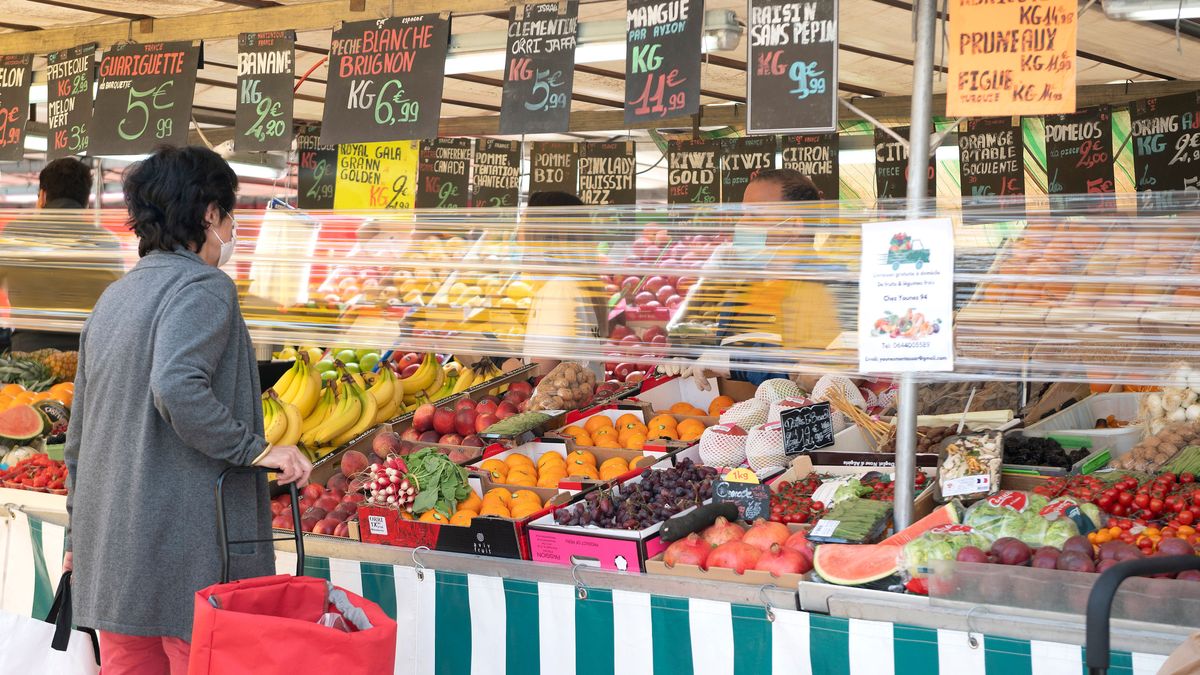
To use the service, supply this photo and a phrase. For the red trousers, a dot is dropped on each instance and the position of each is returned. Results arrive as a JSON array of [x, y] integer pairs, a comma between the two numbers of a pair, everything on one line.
[[134, 655]]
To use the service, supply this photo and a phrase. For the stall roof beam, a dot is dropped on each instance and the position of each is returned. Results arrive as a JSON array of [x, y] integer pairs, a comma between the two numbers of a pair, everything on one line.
[[102, 11]]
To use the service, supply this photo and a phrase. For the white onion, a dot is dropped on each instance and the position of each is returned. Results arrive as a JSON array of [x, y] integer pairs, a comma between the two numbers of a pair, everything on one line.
[[1172, 401], [1192, 412], [1190, 397], [1181, 378], [1154, 403], [1177, 415]]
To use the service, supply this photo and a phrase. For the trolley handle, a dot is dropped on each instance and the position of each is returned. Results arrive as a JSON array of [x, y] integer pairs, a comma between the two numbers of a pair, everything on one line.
[[223, 526], [1099, 605]]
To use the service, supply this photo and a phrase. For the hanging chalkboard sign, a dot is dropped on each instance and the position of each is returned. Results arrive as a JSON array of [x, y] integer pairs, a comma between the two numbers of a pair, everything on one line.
[[662, 58], [607, 173], [1079, 153], [991, 160], [265, 75], [742, 160], [385, 79], [16, 74], [1166, 151], [694, 172], [539, 68], [791, 75], [316, 173], [815, 156], [753, 499], [553, 167], [443, 174], [69, 77], [144, 98], [497, 176], [806, 429], [891, 167]]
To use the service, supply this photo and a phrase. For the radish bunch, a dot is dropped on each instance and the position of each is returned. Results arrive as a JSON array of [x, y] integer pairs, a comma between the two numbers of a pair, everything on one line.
[[387, 484]]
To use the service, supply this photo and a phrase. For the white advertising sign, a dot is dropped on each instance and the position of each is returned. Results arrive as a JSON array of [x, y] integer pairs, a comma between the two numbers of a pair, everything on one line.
[[906, 297]]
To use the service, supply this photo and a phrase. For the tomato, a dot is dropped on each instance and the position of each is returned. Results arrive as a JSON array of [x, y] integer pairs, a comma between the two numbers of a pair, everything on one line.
[[1187, 477], [1156, 506], [1142, 500], [1186, 516]]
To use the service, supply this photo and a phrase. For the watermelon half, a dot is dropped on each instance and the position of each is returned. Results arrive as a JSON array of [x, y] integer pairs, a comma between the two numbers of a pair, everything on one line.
[[858, 564], [21, 423]]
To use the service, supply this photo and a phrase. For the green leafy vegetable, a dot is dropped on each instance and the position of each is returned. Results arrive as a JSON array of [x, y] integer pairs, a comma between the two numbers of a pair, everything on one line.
[[441, 484]]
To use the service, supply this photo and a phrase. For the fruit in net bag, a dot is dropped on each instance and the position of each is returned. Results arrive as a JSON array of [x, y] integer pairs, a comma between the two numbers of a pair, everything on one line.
[[777, 389], [848, 390], [746, 414], [764, 446], [723, 445]]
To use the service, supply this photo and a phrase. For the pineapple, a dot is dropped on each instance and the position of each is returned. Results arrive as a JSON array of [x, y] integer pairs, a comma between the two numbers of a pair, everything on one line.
[[27, 372]]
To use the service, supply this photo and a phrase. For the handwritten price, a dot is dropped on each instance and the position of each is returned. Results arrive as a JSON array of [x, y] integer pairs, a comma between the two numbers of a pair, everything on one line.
[[70, 87], [545, 83], [137, 106], [1090, 154], [317, 190], [447, 194], [1187, 149], [399, 191], [808, 79], [9, 135], [269, 122], [396, 109], [654, 99], [505, 200]]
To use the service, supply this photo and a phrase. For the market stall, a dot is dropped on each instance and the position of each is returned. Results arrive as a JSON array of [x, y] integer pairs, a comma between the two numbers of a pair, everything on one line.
[[663, 432]]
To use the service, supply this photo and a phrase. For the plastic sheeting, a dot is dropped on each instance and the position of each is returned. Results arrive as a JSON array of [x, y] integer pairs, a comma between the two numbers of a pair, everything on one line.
[[1093, 289]]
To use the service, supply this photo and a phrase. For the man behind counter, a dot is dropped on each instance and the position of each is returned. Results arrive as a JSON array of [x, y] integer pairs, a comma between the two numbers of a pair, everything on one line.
[[68, 285]]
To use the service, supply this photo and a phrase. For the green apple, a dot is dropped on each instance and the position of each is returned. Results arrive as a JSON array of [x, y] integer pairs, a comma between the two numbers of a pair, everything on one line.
[[352, 367], [362, 353], [323, 366], [329, 375], [347, 356], [368, 362]]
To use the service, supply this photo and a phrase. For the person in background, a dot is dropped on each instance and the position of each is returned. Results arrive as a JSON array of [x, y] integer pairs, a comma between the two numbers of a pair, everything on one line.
[[72, 282], [771, 314], [166, 399]]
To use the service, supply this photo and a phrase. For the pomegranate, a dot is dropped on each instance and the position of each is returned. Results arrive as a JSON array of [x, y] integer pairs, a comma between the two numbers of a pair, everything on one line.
[[734, 555], [799, 542], [780, 561], [763, 534], [722, 531], [691, 550]]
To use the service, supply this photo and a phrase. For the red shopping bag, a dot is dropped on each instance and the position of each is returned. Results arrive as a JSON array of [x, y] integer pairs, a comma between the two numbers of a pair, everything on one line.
[[268, 625]]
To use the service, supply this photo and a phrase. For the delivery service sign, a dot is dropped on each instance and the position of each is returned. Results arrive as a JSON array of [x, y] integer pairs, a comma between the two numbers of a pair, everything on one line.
[[906, 297]]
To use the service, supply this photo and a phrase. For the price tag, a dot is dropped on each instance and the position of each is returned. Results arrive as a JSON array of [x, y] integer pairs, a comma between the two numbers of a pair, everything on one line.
[[991, 160], [741, 475], [144, 98], [662, 59], [753, 499], [553, 167], [377, 525], [497, 173], [815, 156], [266, 73], [694, 172], [442, 173], [607, 173], [742, 160], [891, 167], [792, 69], [1166, 151], [316, 171], [824, 528], [1079, 153], [69, 77], [806, 429], [966, 485], [539, 68]]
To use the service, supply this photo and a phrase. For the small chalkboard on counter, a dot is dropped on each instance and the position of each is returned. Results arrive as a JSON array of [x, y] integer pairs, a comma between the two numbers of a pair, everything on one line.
[[806, 429], [891, 167], [815, 156], [753, 499]]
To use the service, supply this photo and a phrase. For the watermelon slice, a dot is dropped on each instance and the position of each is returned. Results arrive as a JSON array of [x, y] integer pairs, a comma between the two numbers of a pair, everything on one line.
[[21, 423], [857, 564]]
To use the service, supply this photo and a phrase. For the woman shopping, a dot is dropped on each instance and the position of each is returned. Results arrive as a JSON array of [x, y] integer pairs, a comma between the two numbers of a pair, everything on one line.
[[167, 397]]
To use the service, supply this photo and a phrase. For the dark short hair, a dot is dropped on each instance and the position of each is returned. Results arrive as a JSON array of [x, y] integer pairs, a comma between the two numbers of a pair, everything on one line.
[[168, 192], [796, 186], [554, 198], [66, 178]]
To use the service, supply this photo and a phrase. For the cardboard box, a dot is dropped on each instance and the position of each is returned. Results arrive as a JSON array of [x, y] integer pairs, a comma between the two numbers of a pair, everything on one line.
[[656, 565], [489, 535], [615, 412], [665, 392], [923, 503], [564, 447], [327, 466]]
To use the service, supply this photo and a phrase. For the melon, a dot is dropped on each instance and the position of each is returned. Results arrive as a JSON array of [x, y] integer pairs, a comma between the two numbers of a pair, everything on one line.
[[857, 564], [21, 423]]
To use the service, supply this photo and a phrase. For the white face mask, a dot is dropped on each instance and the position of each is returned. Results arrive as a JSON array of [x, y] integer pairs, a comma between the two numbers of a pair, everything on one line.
[[227, 247]]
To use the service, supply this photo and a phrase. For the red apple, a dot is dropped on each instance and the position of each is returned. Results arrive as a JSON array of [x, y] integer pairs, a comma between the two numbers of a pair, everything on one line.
[[464, 422], [464, 404], [630, 283], [642, 298], [486, 407], [342, 530], [285, 499], [482, 422], [423, 417], [653, 304], [328, 503], [443, 420], [651, 332], [506, 410], [306, 504], [663, 293], [282, 522], [523, 388], [654, 283], [354, 498], [405, 360], [472, 441], [622, 370], [326, 526], [450, 439], [337, 482], [611, 288], [674, 302], [314, 491], [407, 371], [619, 331]]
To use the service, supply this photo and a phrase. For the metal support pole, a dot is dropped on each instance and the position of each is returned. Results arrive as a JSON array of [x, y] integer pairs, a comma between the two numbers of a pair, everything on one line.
[[919, 134]]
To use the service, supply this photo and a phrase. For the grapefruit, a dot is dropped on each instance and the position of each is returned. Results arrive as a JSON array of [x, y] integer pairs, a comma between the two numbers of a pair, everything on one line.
[[857, 564]]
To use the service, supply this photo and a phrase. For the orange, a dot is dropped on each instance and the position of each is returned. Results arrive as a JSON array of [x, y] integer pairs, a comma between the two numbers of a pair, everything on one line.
[[719, 405], [523, 511], [584, 439], [471, 503], [690, 435], [582, 454], [42, 396], [627, 419], [662, 422], [434, 516], [24, 398], [526, 496], [522, 479], [635, 441], [495, 467], [550, 458], [5, 401], [550, 480], [597, 422], [586, 471], [638, 428], [63, 387], [697, 412], [514, 460], [643, 462], [495, 510], [573, 430], [499, 493], [695, 427], [609, 473], [405, 515], [12, 390], [615, 462], [681, 408], [608, 442], [462, 517], [603, 432], [666, 432]]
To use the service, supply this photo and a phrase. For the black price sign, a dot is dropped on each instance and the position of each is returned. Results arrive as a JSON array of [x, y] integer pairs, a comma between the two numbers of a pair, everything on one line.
[[743, 159], [792, 70], [694, 172], [553, 167], [662, 58], [317, 171], [144, 97], [607, 173], [891, 167], [1166, 151], [815, 156], [1079, 153], [385, 79], [991, 159], [539, 68], [497, 172], [69, 77], [443, 173], [16, 74], [806, 429], [266, 72], [753, 499]]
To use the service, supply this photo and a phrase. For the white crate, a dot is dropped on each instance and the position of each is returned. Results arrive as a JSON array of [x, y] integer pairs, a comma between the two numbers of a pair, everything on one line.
[[1080, 420]]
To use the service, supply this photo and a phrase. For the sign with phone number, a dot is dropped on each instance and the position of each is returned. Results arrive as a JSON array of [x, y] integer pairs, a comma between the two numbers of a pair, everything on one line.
[[144, 98]]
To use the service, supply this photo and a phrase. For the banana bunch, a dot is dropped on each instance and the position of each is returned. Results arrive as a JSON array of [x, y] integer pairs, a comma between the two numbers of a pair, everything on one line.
[[347, 412], [282, 424], [426, 384], [388, 393], [300, 386]]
